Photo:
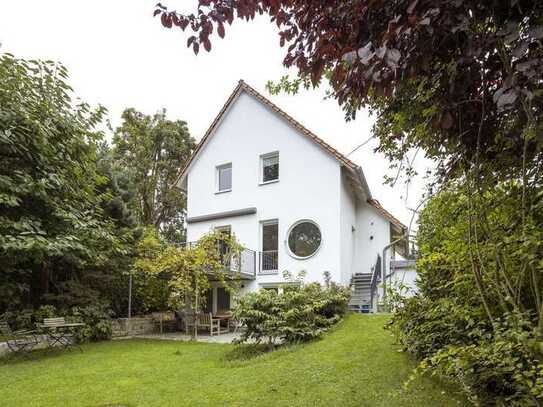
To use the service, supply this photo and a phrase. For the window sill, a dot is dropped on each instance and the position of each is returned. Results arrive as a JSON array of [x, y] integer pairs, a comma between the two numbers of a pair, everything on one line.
[[223, 192], [273, 181]]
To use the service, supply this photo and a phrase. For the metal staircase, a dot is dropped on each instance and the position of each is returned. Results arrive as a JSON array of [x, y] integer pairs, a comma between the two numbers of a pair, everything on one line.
[[364, 289], [361, 296]]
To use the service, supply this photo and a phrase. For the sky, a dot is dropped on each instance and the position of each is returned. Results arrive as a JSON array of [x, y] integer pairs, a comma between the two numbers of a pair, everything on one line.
[[119, 56]]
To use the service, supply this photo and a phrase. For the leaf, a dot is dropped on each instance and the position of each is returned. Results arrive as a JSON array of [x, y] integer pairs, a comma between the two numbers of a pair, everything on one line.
[[520, 50], [425, 21], [412, 6], [220, 30], [365, 53], [507, 98], [207, 44], [536, 32], [447, 121], [156, 12], [196, 47], [166, 20], [392, 57]]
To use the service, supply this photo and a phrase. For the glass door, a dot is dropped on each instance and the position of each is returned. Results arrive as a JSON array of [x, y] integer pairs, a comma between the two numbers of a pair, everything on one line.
[[270, 244]]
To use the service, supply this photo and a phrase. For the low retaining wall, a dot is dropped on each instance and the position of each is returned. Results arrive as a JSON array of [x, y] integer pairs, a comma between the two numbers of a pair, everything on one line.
[[41, 345], [133, 326]]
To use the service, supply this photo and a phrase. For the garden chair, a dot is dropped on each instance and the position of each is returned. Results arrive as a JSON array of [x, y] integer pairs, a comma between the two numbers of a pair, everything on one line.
[[206, 320], [166, 321], [21, 342]]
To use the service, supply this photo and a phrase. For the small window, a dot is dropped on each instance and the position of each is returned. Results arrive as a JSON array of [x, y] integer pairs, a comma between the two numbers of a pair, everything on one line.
[[224, 178], [304, 239], [270, 167]]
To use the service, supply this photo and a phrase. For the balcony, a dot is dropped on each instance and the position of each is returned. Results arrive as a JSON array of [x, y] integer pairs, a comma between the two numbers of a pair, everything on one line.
[[268, 261], [240, 265]]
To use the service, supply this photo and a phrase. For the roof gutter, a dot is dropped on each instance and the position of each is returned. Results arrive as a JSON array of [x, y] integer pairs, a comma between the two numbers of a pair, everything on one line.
[[363, 182]]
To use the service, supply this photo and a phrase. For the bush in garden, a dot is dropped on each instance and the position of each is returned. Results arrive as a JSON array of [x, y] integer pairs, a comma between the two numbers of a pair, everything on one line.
[[300, 313], [97, 319], [478, 318]]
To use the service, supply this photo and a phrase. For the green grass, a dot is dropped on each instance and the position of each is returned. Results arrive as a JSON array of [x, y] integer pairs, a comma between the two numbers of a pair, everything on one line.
[[354, 365]]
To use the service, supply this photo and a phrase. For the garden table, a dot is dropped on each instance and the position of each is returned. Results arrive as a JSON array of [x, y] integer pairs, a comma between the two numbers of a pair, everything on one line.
[[60, 332], [224, 317]]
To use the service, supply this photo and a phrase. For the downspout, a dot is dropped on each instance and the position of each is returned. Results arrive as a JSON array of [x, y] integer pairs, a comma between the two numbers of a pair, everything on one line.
[[383, 268]]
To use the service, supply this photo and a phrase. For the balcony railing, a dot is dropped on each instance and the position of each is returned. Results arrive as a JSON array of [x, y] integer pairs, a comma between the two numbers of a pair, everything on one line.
[[268, 262], [243, 263]]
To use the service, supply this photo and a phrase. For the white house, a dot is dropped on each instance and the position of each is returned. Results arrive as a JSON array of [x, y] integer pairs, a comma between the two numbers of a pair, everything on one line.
[[290, 198]]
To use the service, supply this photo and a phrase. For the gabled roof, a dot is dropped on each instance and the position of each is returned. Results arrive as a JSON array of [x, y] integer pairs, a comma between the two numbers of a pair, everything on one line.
[[354, 172], [241, 87]]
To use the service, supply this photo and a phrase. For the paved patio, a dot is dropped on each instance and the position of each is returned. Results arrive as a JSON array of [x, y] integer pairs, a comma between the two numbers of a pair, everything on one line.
[[180, 336]]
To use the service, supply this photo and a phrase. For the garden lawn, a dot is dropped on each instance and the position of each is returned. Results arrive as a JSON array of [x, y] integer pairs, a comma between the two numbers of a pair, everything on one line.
[[354, 365]]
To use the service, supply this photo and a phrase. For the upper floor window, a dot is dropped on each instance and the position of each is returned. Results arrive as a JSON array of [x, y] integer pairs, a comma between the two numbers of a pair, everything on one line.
[[224, 178], [269, 164]]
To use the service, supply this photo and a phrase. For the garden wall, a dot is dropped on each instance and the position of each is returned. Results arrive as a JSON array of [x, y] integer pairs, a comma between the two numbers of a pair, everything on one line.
[[133, 326]]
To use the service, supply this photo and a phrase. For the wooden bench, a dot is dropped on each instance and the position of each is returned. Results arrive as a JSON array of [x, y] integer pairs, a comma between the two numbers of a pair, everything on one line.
[[22, 341], [206, 320]]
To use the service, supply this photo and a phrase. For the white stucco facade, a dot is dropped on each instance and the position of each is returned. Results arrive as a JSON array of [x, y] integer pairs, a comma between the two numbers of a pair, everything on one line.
[[313, 185]]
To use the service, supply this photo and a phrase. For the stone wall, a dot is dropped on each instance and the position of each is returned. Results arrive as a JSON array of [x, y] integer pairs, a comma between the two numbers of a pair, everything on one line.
[[133, 326]]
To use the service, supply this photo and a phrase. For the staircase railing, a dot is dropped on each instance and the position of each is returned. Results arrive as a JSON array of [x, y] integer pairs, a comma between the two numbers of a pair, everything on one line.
[[375, 279]]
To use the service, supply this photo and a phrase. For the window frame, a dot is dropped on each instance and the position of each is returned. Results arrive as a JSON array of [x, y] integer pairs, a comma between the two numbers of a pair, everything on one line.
[[261, 168], [218, 169], [290, 252], [262, 224]]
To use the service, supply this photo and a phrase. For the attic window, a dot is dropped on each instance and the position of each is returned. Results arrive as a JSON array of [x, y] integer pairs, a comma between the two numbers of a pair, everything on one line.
[[269, 164], [224, 178]]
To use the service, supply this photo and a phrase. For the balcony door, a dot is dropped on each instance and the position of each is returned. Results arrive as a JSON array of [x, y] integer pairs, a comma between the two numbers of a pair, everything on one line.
[[269, 260]]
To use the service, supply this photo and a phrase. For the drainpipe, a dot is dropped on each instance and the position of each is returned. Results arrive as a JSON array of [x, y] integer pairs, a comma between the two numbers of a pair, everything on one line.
[[384, 268]]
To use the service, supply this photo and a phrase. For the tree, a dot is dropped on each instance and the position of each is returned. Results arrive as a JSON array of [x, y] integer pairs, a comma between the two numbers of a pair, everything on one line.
[[188, 270], [53, 231], [460, 79], [154, 149]]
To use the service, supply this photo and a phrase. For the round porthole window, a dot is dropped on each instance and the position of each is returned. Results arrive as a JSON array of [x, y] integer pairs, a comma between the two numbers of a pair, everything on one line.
[[304, 239]]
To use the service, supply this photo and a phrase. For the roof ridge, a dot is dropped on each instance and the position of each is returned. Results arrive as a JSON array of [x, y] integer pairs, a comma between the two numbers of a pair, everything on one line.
[[298, 125], [242, 85]]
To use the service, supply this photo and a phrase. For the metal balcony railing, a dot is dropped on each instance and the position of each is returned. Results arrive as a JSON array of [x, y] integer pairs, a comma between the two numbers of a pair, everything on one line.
[[242, 263], [269, 261]]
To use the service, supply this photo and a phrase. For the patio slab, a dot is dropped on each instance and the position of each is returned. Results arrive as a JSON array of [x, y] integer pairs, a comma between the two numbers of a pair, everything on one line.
[[180, 336]]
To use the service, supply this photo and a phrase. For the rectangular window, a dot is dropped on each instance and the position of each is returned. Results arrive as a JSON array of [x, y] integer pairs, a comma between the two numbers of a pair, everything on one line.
[[224, 178], [270, 245], [270, 167]]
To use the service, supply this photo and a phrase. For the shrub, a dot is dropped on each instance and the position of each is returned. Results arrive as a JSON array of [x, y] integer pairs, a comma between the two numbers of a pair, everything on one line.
[[97, 319], [478, 318], [298, 314], [506, 372]]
